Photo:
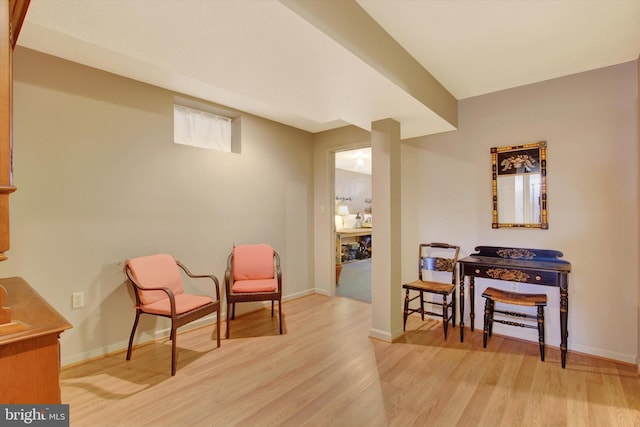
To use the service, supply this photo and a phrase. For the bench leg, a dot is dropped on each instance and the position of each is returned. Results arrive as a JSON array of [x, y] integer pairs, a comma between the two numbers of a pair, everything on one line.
[[453, 307], [492, 307], [541, 330], [487, 320]]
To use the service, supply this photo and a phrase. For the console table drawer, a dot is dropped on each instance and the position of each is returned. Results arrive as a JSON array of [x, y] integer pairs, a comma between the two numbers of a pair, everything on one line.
[[521, 275]]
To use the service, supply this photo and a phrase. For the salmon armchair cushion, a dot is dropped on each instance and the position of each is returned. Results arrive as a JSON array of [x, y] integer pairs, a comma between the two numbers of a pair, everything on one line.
[[260, 285], [253, 262], [184, 303], [156, 271]]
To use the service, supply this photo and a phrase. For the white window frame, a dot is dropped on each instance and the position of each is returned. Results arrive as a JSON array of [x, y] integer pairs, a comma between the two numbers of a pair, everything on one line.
[[201, 129]]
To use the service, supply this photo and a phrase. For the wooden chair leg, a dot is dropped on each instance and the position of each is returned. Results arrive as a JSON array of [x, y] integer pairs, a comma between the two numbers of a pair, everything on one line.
[[272, 302], [228, 319], [422, 305], [487, 317], [280, 315], [445, 316], [133, 332], [173, 350], [218, 325], [233, 311], [541, 331], [406, 310]]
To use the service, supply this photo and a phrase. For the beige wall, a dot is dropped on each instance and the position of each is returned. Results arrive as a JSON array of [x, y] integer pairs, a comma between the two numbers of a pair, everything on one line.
[[100, 180], [355, 186], [590, 121]]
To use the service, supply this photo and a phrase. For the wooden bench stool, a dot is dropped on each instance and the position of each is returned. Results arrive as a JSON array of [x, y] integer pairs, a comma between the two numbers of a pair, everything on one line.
[[493, 295]]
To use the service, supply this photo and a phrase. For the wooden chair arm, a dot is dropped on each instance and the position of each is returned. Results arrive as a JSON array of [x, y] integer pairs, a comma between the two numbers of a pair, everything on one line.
[[276, 256], [227, 274], [202, 276], [227, 281], [168, 291]]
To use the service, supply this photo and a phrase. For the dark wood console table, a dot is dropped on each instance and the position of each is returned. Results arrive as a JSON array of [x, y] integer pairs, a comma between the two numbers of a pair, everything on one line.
[[534, 266]]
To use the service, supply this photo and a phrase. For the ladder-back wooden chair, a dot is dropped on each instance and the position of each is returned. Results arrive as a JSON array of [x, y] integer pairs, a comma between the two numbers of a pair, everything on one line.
[[159, 291], [253, 274], [437, 259]]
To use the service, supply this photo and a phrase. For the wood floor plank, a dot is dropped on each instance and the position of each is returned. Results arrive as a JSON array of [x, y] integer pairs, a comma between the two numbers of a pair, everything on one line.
[[326, 371]]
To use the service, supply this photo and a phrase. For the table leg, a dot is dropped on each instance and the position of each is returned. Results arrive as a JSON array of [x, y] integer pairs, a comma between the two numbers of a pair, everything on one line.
[[461, 300], [472, 301], [338, 258], [564, 313]]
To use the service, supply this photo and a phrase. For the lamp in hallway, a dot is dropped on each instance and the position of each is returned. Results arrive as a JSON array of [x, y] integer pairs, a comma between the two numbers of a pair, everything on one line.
[[343, 210]]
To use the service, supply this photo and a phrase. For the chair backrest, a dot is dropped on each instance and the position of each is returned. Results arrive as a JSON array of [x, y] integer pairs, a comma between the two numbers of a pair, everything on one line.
[[253, 262], [155, 271], [438, 257]]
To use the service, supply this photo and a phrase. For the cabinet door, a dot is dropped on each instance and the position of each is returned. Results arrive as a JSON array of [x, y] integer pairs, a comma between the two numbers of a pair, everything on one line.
[[12, 13], [30, 371]]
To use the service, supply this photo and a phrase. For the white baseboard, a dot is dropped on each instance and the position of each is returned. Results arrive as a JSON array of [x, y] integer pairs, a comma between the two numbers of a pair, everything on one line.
[[121, 346], [380, 335], [139, 339], [158, 334]]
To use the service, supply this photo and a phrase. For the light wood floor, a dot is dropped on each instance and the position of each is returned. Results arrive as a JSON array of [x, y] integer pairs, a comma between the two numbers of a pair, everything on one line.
[[325, 371]]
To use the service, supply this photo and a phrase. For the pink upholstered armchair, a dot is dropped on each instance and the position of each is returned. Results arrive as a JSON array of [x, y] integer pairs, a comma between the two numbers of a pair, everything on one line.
[[158, 288], [253, 274]]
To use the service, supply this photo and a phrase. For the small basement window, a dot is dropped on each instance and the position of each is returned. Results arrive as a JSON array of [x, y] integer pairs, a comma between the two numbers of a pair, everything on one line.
[[201, 129]]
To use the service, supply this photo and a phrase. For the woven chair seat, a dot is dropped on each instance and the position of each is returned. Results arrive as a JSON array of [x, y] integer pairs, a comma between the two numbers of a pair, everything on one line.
[[427, 286]]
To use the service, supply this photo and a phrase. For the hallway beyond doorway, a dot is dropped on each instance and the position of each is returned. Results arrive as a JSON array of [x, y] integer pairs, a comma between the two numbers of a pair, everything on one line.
[[355, 280]]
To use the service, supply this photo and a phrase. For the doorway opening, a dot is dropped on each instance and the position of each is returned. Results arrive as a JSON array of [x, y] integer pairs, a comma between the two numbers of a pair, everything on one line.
[[353, 223]]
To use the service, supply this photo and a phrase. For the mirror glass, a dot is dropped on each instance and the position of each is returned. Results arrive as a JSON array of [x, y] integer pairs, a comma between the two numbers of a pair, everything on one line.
[[520, 186]]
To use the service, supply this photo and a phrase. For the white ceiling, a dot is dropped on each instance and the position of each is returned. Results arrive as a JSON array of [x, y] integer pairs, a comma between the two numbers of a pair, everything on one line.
[[261, 57], [477, 47], [358, 160]]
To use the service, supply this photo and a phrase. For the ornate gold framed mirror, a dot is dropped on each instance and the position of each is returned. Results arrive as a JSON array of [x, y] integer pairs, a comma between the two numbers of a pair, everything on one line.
[[519, 186]]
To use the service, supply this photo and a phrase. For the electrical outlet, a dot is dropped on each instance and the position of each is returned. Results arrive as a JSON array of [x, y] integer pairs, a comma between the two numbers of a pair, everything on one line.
[[515, 287], [77, 299]]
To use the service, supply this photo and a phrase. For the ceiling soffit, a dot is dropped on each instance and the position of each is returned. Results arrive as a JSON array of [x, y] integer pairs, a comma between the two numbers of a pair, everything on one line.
[[258, 57]]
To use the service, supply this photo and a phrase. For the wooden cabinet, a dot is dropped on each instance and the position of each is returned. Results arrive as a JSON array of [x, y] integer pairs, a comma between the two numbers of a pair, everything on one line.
[[30, 356], [12, 13], [29, 345]]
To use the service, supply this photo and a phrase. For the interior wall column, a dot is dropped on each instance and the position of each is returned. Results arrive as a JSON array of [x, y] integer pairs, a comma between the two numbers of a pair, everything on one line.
[[386, 321], [638, 165]]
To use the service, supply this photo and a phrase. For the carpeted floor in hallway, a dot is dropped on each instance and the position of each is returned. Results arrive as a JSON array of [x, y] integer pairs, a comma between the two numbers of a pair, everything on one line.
[[355, 280]]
